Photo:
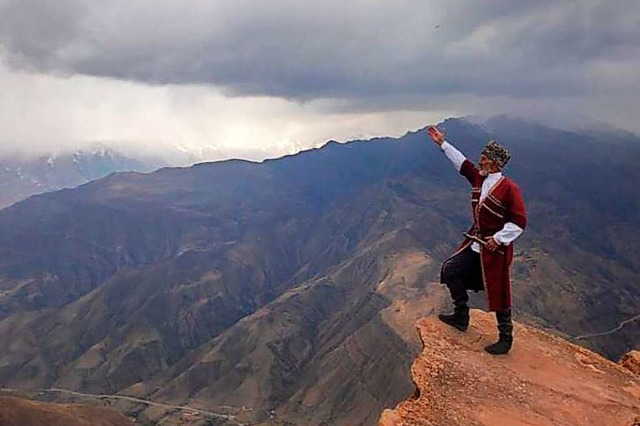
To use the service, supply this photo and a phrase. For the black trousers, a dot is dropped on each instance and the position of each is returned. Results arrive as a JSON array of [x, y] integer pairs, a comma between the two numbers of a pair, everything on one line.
[[463, 272], [460, 273]]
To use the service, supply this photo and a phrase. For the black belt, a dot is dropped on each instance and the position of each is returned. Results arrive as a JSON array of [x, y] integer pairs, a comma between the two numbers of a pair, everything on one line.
[[482, 242]]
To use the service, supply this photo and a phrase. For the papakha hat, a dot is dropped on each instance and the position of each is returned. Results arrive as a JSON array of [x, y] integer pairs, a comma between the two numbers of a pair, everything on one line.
[[496, 152]]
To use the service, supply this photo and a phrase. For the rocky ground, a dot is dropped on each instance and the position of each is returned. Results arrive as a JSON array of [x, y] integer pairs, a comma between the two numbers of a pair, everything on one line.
[[545, 380]]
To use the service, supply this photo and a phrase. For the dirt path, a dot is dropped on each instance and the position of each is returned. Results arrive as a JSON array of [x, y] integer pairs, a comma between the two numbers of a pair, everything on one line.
[[619, 327]]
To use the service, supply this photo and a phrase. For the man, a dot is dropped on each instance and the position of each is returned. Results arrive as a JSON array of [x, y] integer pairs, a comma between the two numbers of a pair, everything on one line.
[[482, 261]]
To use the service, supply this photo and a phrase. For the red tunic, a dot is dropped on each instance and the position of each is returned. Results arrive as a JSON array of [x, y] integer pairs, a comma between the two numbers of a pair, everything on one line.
[[503, 204]]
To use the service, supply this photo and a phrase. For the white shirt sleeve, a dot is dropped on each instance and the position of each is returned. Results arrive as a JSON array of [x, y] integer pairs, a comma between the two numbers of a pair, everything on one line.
[[452, 153], [508, 233]]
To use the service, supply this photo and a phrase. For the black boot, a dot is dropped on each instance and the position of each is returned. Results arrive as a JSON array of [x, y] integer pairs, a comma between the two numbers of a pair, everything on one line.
[[458, 319], [505, 329]]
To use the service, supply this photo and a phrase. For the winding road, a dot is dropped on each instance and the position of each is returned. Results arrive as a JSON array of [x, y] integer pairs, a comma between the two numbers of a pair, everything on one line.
[[229, 417], [604, 333]]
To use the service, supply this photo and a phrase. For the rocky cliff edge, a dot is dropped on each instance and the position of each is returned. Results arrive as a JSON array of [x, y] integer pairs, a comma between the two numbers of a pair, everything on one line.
[[544, 380]]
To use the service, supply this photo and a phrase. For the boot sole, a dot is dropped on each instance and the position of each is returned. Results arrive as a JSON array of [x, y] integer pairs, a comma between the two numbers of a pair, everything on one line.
[[496, 353], [456, 326]]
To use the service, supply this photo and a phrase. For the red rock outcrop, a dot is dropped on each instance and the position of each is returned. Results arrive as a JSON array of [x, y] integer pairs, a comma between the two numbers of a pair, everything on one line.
[[544, 380], [631, 362]]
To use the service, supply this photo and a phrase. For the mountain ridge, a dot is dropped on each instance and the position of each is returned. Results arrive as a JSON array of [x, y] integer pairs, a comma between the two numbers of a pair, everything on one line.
[[22, 176], [151, 283]]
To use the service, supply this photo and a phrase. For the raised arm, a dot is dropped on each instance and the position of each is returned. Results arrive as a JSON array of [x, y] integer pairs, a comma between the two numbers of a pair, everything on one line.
[[456, 157], [459, 161]]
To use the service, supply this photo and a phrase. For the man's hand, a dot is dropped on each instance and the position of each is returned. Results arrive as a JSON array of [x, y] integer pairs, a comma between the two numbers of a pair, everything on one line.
[[491, 244], [436, 135]]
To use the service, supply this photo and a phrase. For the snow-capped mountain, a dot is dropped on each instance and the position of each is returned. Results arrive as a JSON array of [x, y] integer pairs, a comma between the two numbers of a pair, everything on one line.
[[21, 176]]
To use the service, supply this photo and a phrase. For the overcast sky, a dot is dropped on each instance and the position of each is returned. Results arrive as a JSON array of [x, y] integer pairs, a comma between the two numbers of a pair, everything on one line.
[[281, 75]]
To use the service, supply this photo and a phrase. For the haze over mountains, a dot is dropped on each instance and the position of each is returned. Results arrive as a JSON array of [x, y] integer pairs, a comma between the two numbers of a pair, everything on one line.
[[291, 286], [22, 176]]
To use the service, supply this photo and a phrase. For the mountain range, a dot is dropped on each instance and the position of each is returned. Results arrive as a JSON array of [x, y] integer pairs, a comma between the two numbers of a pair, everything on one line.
[[22, 176], [287, 290]]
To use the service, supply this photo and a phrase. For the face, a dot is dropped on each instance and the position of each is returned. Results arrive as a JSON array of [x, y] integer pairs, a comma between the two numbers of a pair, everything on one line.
[[487, 165]]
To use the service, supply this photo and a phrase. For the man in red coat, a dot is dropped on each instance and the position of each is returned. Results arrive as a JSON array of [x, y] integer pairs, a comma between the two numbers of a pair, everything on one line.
[[482, 261]]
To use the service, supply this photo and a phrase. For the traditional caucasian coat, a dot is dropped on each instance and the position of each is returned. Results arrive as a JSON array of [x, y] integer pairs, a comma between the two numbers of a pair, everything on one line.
[[503, 204]]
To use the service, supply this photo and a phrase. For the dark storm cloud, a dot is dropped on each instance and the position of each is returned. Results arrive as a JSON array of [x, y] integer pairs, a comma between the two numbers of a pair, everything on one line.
[[330, 49], [36, 30]]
